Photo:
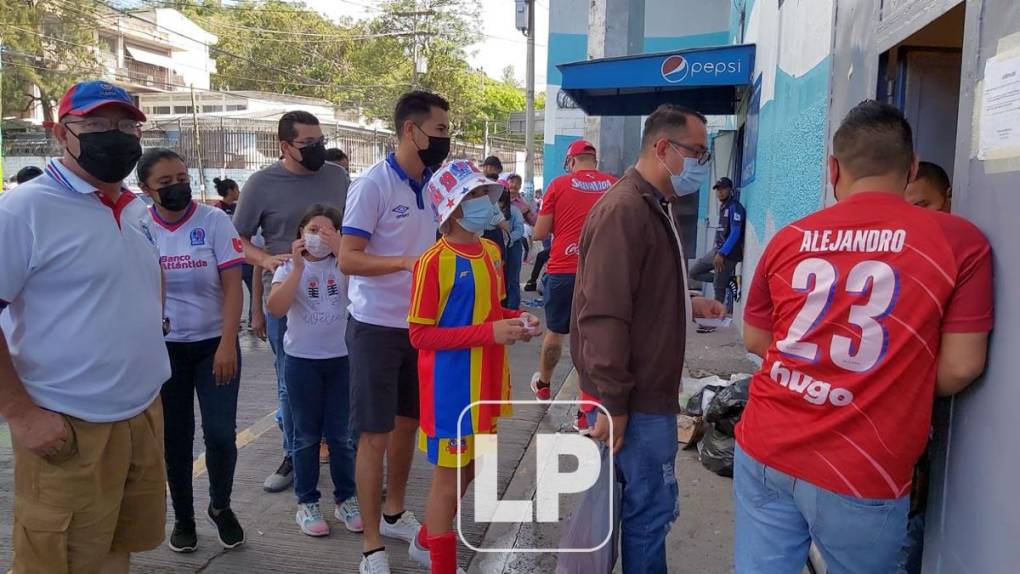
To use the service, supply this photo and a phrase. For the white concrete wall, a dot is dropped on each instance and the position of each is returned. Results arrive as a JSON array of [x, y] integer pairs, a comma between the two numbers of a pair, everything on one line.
[[190, 52]]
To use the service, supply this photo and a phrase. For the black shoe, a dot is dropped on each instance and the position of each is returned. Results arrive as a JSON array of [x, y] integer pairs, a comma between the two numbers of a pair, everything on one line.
[[530, 286], [230, 533], [183, 538]]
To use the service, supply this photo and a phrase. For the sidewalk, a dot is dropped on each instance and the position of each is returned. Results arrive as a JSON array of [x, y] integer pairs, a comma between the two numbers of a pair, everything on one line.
[[699, 542]]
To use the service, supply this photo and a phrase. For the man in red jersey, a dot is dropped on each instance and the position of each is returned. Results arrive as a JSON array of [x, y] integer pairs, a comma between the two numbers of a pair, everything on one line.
[[566, 204], [862, 313]]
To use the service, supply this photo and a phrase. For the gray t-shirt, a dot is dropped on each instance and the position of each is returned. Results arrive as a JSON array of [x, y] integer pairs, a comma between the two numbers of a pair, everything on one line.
[[276, 199]]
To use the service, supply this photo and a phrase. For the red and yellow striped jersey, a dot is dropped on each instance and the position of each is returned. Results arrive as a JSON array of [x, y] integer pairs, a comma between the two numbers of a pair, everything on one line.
[[460, 286]]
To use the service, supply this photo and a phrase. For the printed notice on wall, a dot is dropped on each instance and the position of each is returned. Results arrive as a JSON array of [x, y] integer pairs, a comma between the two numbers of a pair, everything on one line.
[[1000, 110]]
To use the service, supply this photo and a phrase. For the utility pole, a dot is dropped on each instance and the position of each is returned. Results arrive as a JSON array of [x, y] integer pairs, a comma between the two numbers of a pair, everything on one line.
[[418, 63], [529, 120], [198, 144]]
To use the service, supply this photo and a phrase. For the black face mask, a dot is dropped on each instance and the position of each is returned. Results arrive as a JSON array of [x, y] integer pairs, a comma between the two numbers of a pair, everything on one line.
[[493, 176], [313, 157], [108, 156], [175, 197], [436, 152]]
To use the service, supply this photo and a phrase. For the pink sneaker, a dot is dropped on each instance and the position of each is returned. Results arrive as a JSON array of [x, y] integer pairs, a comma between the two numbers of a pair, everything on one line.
[[309, 518]]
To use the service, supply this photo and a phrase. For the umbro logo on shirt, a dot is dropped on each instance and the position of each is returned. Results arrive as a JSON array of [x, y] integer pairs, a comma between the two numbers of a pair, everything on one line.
[[402, 211]]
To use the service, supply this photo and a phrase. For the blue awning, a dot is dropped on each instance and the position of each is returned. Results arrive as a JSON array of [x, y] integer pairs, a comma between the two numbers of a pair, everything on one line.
[[705, 79]]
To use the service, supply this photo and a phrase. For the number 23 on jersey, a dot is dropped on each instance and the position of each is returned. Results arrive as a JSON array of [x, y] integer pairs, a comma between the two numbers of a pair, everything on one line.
[[873, 285]]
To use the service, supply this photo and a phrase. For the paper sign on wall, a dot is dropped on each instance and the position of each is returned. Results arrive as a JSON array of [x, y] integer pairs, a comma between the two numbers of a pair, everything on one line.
[[1000, 109]]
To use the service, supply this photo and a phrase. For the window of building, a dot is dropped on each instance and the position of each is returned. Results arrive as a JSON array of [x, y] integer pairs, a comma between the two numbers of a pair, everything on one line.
[[236, 107], [183, 109], [209, 109], [160, 110]]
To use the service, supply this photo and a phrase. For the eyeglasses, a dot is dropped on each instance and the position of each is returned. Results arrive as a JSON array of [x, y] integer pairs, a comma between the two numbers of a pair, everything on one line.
[[702, 154], [98, 125], [310, 142]]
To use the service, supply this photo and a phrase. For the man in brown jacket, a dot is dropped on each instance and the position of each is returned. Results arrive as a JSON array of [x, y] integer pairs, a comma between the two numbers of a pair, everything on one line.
[[630, 315]]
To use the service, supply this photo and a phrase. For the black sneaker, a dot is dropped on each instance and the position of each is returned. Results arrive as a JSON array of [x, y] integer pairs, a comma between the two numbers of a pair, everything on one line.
[[183, 538], [230, 533], [530, 286]]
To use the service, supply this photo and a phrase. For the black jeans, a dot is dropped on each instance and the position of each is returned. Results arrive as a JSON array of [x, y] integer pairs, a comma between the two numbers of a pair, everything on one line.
[[540, 261], [191, 367]]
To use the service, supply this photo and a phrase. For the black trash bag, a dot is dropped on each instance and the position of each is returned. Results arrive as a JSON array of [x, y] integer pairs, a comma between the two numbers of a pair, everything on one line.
[[693, 407], [727, 405], [717, 452]]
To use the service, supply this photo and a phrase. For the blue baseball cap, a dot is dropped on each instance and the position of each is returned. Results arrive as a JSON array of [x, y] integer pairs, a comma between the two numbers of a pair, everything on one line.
[[86, 97]]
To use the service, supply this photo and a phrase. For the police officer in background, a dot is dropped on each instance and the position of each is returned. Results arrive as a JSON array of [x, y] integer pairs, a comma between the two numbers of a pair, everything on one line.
[[719, 265]]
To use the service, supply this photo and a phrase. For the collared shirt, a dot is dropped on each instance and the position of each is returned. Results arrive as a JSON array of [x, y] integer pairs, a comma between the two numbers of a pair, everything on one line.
[[388, 209], [193, 252], [80, 281]]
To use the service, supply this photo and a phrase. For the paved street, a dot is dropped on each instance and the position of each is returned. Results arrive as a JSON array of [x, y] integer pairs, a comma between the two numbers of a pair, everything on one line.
[[700, 541]]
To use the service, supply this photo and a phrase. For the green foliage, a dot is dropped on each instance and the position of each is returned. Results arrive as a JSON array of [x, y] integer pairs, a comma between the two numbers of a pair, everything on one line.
[[365, 64], [47, 46]]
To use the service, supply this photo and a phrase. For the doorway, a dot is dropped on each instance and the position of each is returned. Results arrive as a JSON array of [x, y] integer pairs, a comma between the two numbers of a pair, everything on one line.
[[921, 76]]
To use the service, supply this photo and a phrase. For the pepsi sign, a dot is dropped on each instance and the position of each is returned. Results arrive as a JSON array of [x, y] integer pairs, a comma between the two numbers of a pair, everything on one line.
[[676, 68]]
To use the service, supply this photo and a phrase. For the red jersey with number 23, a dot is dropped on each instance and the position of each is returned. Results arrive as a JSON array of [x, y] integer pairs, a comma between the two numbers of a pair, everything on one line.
[[568, 199], [856, 297]]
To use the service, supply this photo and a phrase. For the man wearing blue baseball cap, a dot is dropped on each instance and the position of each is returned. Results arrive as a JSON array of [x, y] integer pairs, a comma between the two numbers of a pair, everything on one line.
[[83, 357]]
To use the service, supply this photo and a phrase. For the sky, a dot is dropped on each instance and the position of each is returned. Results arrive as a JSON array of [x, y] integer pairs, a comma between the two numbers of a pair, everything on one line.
[[501, 44]]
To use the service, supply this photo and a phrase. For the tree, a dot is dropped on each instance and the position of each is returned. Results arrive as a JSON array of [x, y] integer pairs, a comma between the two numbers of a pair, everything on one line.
[[365, 65], [47, 47], [509, 76]]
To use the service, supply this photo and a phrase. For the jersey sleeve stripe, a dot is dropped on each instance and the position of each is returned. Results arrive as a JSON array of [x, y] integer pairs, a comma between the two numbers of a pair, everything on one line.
[[230, 264], [420, 279], [347, 230]]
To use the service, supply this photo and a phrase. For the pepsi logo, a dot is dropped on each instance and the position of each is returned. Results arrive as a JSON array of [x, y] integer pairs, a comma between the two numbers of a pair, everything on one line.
[[675, 69]]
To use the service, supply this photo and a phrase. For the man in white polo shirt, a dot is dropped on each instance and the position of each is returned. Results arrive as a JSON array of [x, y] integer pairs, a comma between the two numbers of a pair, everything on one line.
[[84, 356], [388, 224]]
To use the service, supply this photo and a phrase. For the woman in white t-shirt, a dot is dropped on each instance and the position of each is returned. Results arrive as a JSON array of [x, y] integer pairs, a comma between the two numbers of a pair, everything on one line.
[[201, 256], [312, 292]]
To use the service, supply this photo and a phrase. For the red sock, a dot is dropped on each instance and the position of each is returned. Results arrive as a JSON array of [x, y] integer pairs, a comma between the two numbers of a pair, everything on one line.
[[443, 552], [423, 537]]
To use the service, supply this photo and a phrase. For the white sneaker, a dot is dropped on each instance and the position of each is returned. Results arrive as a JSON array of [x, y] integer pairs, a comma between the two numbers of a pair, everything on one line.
[[405, 529], [350, 514], [309, 519], [377, 563], [419, 554]]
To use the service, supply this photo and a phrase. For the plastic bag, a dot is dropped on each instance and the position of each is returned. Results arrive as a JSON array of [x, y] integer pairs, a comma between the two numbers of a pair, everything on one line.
[[727, 405], [717, 452], [697, 403], [588, 527]]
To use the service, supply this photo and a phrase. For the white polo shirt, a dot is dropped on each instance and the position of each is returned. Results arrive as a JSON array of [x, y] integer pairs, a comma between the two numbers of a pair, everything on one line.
[[80, 281], [193, 253], [398, 220]]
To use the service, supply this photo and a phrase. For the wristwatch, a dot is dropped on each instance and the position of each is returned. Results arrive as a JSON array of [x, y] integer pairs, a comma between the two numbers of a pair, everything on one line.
[[166, 326]]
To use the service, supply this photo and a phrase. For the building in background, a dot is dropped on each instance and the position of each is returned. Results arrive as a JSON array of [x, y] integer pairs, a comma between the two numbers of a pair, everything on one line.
[[952, 66]]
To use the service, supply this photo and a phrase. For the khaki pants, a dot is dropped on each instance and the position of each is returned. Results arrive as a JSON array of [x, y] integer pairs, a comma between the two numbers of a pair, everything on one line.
[[105, 491]]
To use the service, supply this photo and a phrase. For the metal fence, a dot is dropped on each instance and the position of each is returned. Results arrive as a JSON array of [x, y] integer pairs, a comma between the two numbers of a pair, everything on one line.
[[247, 145]]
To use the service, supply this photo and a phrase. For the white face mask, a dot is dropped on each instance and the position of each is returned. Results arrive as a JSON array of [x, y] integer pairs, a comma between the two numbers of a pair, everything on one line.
[[316, 247]]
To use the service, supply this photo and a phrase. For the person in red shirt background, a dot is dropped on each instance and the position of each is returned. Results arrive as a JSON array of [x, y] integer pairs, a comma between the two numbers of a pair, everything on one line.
[[565, 207], [862, 312]]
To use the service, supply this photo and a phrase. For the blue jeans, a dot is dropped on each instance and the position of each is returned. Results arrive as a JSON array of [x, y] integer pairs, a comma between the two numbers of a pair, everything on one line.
[[320, 399], [191, 374], [275, 329], [512, 275], [645, 468], [777, 517]]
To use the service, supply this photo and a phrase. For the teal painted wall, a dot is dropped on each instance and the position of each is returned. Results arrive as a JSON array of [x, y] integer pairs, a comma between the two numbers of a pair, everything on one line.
[[564, 48], [554, 155], [685, 42], [791, 151]]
